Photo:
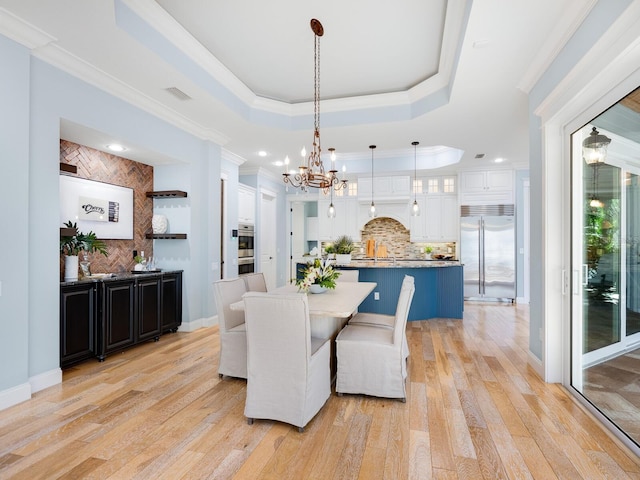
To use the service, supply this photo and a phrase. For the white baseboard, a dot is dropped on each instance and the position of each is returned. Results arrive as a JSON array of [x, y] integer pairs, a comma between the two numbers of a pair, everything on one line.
[[46, 380], [536, 363], [199, 323], [522, 300], [14, 395]]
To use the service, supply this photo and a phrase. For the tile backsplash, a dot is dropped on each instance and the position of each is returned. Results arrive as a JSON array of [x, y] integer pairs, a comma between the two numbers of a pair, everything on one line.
[[396, 239]]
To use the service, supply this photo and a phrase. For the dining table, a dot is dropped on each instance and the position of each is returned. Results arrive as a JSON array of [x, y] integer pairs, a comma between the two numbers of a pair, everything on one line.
[[328, 311]]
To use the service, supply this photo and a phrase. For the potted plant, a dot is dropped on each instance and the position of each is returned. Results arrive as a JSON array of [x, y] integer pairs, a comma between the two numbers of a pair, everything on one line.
[[71, 246], [330, 250], [344, 246], [427, 252]]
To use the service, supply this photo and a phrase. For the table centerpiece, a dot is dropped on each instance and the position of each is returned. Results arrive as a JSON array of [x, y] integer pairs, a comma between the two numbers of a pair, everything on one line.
[[317, 276]]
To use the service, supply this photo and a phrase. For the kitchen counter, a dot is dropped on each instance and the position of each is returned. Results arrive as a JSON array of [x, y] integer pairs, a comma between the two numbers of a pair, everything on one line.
[[106, 277], [439, 287], [390, 263]]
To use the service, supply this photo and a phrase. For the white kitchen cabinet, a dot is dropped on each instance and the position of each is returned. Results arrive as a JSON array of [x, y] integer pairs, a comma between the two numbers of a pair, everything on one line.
[[441, 218], [417, 229], [246, 204], [345, 221], [312, 229], [384, 187], [486, 187], [442, 184]]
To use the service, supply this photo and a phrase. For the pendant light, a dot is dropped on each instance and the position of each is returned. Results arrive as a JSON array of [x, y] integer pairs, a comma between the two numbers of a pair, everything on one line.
[[331, 212], [415, 208], [372, 209]]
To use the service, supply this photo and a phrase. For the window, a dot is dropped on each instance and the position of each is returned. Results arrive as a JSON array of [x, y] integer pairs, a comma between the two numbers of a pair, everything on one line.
[[433, 185], [417, 185]]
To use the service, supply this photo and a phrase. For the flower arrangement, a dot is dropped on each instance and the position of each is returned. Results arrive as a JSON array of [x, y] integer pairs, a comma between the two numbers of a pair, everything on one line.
[[319, 272]]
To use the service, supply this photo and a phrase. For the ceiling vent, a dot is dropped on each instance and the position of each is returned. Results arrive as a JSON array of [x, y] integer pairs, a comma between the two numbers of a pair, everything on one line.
[[479, 155], [179, 94]]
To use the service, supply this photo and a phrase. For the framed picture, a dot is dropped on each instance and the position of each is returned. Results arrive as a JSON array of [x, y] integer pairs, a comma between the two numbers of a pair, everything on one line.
[[105, 209]]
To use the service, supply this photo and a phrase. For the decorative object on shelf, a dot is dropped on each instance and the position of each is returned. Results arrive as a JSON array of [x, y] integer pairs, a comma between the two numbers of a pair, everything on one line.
[[141, 263], [344, 247], [320, 273], [313, 174], [72, 245], [594, 147], [372, 209], [415, 208], [159, 224]]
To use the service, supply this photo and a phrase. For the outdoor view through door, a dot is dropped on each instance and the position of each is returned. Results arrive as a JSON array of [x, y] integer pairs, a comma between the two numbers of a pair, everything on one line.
[[605, 312]]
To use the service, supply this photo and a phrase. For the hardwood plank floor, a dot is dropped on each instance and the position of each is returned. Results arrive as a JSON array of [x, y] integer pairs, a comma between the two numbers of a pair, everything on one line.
[[475, 410]]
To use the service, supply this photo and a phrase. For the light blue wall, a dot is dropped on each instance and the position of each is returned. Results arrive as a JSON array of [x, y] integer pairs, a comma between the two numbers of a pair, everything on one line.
[[15, 261], [599, 20], [35, 97]]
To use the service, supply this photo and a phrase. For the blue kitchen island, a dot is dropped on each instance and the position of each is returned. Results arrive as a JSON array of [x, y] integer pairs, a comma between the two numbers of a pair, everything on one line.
[[439, 288]]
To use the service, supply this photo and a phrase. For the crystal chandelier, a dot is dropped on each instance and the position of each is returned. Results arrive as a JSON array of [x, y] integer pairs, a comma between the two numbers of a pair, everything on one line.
[[313, 174]]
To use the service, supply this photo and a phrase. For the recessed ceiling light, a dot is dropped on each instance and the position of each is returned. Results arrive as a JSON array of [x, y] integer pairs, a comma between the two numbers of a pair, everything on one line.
[[499, 160], [262, 153], [114, 147], [278, 163]]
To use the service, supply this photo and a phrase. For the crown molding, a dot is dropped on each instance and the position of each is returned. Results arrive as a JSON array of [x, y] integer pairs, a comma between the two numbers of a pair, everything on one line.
[[23, 32], [231, 157]]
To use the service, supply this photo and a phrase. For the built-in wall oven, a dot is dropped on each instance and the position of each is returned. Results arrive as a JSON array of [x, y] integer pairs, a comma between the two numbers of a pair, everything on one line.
[[246, 261]]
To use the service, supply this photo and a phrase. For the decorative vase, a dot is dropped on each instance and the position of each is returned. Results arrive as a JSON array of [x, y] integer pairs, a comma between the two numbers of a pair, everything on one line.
[[70, 268], [315, 288], [343, 258], [159, 224]]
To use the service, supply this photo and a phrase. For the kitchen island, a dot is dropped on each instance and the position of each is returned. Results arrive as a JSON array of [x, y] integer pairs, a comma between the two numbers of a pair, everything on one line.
[[439, 288]]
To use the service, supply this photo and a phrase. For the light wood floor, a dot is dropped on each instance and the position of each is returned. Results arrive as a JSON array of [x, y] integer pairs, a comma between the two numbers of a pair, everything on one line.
[[475, 410]]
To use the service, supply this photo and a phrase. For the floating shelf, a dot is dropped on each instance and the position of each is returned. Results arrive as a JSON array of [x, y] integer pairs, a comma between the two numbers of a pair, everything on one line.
[[167, 236], [167, 194], [66, 167], [67, 232]]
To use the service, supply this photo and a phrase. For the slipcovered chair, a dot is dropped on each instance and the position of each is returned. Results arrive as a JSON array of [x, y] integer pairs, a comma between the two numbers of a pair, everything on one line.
[[289, 376], [371, 358], [382, 320], [349, 276], [233, 337], [255, 282]]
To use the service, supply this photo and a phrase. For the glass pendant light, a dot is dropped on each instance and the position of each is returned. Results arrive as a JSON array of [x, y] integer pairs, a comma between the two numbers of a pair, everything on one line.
[[415, 208], [372, 209], [331, 212]]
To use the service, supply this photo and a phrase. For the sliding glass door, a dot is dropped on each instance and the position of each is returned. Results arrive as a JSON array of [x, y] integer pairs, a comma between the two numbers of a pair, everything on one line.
[[605, 312]]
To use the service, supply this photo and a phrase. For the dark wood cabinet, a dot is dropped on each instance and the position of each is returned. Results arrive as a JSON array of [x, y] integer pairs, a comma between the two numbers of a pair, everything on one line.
[[77, 323], [118, 316], [171, 302], [148, 296], [98, 318]]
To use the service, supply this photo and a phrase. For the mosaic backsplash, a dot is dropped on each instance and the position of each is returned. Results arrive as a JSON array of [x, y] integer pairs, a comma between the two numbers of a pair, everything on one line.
[[395, 238], [103, 167]]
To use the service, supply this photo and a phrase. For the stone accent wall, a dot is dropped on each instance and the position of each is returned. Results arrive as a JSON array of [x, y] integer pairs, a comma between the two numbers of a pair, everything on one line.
[[397, 240], [103, 167]]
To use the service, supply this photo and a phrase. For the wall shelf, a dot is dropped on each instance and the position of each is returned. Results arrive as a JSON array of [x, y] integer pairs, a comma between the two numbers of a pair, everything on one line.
[[67, 232], [167, 194], [167, 236]]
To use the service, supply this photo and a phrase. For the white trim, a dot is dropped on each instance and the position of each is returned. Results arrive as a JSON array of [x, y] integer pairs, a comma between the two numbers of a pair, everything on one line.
[[204, 322], [14, 395], [46, 380]]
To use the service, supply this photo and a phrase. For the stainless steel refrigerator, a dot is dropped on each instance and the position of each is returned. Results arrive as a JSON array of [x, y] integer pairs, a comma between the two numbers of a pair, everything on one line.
[[487, 251]]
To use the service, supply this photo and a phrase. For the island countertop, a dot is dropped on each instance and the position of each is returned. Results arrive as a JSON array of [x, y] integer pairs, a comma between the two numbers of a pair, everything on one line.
[[390, 263]]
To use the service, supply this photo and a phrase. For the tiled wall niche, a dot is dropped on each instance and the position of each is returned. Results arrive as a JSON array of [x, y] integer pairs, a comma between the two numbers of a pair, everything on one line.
[[103, 167]]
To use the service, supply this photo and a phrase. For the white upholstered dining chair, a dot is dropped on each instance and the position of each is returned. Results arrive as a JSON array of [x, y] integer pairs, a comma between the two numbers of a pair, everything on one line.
[[288, 373], [255, 282], [233, 338], [371, 358]]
